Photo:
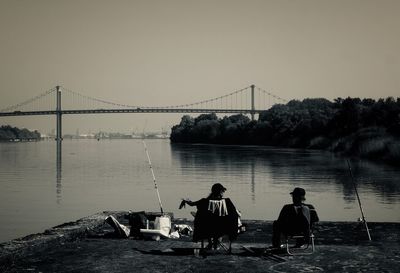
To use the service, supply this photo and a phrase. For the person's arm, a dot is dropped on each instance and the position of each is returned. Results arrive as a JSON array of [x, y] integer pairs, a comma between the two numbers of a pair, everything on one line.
[[188, 202], [283, 214], [313, 214], [231, 207]]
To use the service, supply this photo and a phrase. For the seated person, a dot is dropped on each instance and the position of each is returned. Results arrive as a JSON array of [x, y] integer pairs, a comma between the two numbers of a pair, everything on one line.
[[294, 219], [216, 216]]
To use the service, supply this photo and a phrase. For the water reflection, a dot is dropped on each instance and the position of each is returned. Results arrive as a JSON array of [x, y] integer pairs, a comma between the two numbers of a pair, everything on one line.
[[58, 172], [253, 183], [383, 178], [315, 170]]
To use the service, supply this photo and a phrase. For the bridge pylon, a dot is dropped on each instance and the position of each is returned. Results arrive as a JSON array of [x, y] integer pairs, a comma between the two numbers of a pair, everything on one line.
[[252, 102], [58, 114]]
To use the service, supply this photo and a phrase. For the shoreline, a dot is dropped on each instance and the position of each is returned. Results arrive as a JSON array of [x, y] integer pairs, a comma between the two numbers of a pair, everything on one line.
[[74, 241]]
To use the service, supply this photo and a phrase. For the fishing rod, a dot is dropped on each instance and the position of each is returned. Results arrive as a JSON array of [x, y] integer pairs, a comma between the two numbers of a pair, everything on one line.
[[359, 201], [154, 177]]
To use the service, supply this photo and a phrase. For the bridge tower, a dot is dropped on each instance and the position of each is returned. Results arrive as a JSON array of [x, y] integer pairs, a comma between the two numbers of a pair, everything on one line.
[[58, 113], [252, 102]]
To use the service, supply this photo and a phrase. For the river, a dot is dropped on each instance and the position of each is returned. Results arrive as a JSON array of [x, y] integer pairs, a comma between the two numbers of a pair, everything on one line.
[[38, 192]]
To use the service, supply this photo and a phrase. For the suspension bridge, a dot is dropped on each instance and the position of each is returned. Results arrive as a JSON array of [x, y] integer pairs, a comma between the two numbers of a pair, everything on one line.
[[249, 100]]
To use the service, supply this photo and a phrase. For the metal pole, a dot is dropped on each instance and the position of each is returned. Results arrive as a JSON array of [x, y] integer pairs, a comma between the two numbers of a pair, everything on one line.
[[58, 139], [252, 102], [58, 111], [359, 201]]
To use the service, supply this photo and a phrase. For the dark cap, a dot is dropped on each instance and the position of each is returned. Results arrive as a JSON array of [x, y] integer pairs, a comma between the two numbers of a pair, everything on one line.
[[217, 187], [298, 192]]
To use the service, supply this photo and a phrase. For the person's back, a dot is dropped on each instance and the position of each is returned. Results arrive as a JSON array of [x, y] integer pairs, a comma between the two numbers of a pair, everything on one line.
[[294, 219], [216, 216], [222, 218]]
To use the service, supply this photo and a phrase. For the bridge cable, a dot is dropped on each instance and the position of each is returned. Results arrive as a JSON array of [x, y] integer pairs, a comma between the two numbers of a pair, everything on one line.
[[92, 100], [272, 95], [15, 106]]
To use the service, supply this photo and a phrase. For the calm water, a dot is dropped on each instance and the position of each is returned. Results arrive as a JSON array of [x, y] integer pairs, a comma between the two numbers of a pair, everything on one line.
[[37, 193]]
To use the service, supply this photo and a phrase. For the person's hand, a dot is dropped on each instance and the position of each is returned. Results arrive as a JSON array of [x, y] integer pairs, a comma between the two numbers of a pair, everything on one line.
[[183, 204]]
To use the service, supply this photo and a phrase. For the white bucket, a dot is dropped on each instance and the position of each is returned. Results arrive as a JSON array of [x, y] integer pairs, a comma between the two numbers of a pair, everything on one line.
[[162, 227], [163, 223]]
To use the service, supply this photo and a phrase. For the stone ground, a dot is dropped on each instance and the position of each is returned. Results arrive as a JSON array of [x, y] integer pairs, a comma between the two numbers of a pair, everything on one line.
[[83, 246]]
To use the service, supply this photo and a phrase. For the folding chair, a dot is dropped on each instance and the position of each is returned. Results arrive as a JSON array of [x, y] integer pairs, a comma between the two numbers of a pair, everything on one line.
[[219, 243], [217, 219], [303, 250]]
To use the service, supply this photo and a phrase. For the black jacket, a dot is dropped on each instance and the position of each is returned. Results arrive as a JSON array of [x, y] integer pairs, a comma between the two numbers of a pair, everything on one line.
[[208, 224], [297, 217]]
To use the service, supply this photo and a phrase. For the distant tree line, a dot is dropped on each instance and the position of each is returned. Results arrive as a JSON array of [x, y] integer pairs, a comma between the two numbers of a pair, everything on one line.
[[8, 133], [365, 128]]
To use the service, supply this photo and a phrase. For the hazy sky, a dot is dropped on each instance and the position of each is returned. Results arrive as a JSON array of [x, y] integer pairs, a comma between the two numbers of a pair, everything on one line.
[[177, 52]]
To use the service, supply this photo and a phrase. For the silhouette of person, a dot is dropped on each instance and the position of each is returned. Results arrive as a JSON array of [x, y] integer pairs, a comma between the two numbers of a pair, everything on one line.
[[294, 219], [215, 217]]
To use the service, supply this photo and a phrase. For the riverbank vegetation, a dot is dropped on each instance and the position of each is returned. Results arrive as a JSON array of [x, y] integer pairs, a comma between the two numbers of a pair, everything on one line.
[[364, 128], [8, 133]]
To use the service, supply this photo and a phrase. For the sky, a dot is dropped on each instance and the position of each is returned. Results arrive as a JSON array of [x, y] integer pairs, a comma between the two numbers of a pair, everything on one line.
[[156, 53]]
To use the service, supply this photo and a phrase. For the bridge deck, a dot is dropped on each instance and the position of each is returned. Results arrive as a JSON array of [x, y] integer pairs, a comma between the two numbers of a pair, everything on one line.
[[129, 110]]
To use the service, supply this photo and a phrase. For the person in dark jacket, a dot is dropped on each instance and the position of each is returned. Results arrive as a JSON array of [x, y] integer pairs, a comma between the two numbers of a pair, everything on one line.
[[294, 219], [216, 216]]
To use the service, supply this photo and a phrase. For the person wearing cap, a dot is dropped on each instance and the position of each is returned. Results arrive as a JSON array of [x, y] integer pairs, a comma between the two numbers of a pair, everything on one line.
[[216, 216], [296, 218]]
